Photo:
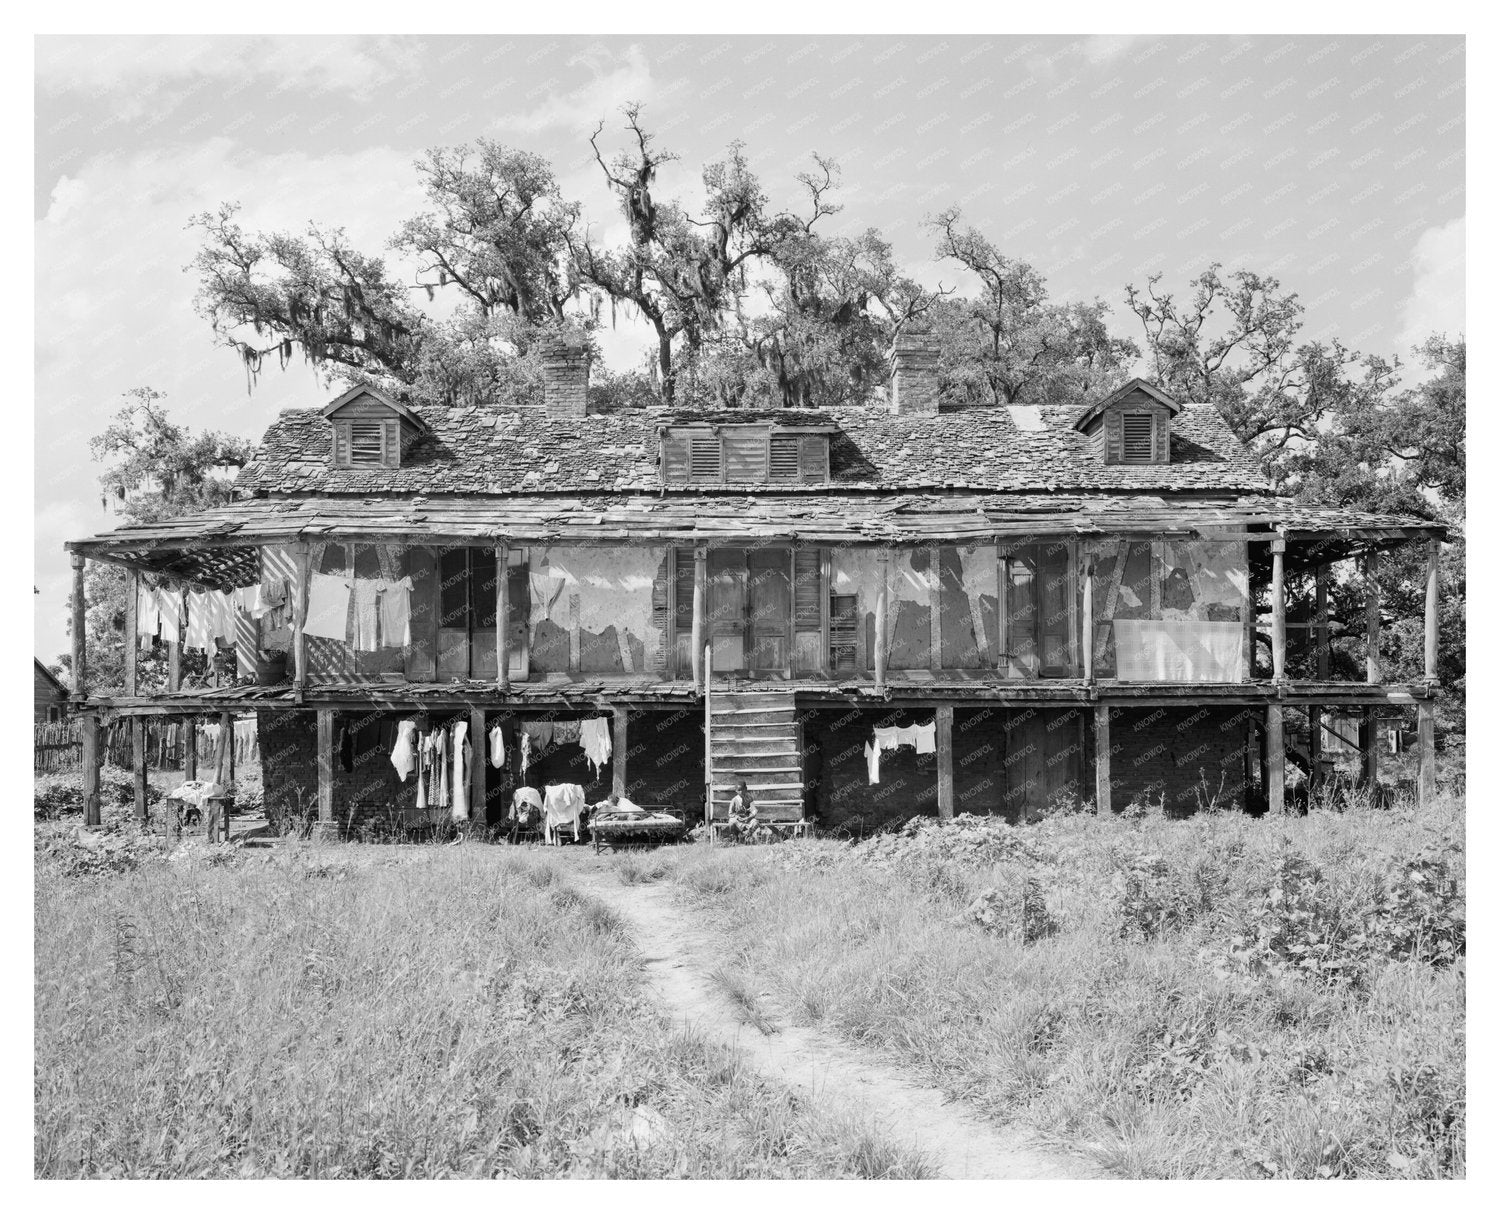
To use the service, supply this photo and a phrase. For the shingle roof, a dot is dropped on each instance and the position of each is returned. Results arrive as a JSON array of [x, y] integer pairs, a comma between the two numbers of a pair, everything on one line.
[[480, 449]]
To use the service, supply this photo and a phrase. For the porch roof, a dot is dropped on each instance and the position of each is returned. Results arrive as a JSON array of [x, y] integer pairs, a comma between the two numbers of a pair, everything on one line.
[[218, 547]]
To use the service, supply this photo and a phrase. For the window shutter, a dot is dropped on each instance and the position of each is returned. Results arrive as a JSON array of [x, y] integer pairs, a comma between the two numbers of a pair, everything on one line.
[[814, 459], [703, 458], [684, 588], [341, 445], [1112, 450], [807, 590], [744, 456], [1163, 422], [393, 444], [366, 444], [842, 617], [1139, 442], [674, 457], [786, 458]]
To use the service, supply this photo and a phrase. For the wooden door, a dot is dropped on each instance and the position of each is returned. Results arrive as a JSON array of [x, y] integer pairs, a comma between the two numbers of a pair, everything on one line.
[[728, 577], [769, 612]]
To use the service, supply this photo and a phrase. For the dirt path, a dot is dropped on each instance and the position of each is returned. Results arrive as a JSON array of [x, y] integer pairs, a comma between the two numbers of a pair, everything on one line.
[[680, 957]]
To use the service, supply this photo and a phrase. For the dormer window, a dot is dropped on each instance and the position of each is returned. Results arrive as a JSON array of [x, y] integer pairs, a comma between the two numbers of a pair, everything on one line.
[[371, 429], [1132, 425], [745, 454]]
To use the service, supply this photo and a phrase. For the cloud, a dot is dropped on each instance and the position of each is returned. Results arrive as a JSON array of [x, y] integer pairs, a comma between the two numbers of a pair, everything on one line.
[[354, 65], [1436, 302], [612, 85], [1101, 48]]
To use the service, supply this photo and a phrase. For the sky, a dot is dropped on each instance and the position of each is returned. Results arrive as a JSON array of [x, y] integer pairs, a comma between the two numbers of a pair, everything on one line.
[[1335, 163]]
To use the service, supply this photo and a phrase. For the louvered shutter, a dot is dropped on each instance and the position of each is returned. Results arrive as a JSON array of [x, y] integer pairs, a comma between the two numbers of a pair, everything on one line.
[[1138, 444], [786, 458], [842, 618], [341, 445], [1163, 421], [366, 444], [393, 444], [1112, 447], [703, 457], [674, 457], [807, 592], [744, 456]]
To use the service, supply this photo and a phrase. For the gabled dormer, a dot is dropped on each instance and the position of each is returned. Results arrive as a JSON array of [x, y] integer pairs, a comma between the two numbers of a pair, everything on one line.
[[1132, 425], [371, 429], [751, 453]]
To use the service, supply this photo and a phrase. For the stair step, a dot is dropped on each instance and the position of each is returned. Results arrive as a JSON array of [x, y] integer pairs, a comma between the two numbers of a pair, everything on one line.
[[768, 710], [749, 771], [755, 697], [757, 786], [785, 729], [753, 747]]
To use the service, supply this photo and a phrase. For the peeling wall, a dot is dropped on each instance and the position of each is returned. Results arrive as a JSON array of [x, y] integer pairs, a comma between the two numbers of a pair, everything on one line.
[[608, 592]]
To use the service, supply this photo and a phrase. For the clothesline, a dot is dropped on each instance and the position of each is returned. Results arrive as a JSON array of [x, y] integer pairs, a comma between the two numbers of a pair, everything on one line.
[[923, 737]]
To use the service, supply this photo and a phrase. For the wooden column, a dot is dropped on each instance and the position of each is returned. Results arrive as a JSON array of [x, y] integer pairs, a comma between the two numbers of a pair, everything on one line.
[[1103, 798], [90, 760], [882, 594], [478, 770], [1372, 618], [80, 630], [1275, 761], [700, 596], [299, 620], [944, 731], [1369, 745], [1002, 611], [325, 766], [132, 627], [1426, 752], [1088, 616], [190, 750], [1434, 554], [617, 761], [502, 617], [1278, 609], [1321, 658], [935, 607], [138, 766]]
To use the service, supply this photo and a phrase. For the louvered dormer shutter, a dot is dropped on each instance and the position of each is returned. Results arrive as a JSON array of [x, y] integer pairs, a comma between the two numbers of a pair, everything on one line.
[[744, 456], [1138, 438], [1113, 452], [704, 462], [366, 444]]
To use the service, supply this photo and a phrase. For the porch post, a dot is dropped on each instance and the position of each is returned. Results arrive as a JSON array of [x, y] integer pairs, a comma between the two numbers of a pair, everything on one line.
[[1278, 610], [89, 760], [80, 647], [325, 767], [502, 616], [944, 731], [1088, 615], [478, 769], [1103, 802], [1275, 761], [132, 626], [700, 595], [1427, 752], [1372, 617], [138, 765], [224, 768], [1434, 552], [1369, 747], [299, 620], [1321, 657], [617, 751], [882, 592], [190, 750]]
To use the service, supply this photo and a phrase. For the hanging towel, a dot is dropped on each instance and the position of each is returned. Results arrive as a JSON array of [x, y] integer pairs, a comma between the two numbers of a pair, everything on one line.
[[327, 607], [395, 613], [403, 756], [597, 741], [199, 620], [460, 772], [147, 613], [927, 739], [221, 616], [872, 761], [540, 733], [497, 747], [566, 733], [169, 609], [366, 615]]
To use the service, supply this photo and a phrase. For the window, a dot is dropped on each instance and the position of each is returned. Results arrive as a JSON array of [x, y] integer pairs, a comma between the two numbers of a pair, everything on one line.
[[367, 443], [744, 455], [1138, 436]]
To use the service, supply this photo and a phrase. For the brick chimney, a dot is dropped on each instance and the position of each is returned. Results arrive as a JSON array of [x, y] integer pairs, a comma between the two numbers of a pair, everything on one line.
[[565, 377], [914, 374]]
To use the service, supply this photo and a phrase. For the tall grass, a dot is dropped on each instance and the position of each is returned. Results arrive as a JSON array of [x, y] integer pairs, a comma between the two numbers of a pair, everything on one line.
[[1216, 997], [379, 1012]]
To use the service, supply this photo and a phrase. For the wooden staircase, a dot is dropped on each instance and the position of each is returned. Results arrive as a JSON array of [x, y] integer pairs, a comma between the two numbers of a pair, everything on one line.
[[754, 736]]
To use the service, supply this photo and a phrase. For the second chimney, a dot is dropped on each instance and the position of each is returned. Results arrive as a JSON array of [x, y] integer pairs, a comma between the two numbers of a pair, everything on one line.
[[914, 374], [565, 377]]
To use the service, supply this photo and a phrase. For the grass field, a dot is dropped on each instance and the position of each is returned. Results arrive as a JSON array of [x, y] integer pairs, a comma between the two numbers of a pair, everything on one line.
[[1217, 997], [378, 1012]]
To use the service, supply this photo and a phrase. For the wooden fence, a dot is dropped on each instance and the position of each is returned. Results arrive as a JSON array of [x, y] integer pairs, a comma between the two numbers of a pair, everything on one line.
[[58, 746]]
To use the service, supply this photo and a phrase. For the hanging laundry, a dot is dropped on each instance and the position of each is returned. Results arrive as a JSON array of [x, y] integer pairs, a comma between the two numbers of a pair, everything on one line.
[[872, 761], [460, 772], [221, 624], [927, 739], [497, 747], [395, 613], [147, 613], [525, 751], [198, 635], [327, 607], [540, 733], [366, 615], [404, 755], [566, 733], [563, 805], [271, 595], [596, 738], [424, 768], [169, 611]]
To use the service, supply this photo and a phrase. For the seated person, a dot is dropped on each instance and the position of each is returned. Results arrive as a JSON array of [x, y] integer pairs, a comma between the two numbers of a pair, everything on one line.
[[525, 810], [742, 816]]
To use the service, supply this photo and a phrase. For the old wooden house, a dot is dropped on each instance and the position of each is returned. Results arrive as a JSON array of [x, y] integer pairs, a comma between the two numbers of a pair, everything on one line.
[[863, 613]]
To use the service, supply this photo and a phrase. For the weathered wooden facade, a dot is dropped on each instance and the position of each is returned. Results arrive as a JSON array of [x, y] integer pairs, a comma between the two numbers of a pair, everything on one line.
[[1063, 601]]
